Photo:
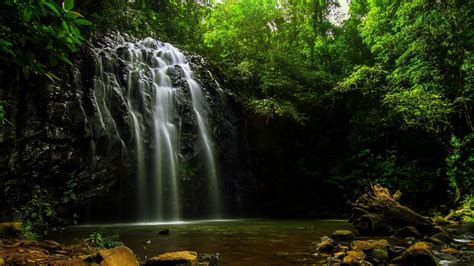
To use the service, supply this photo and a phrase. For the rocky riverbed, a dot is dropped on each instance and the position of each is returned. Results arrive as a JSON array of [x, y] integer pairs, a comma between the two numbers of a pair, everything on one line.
[[47, 252], [447, 247]]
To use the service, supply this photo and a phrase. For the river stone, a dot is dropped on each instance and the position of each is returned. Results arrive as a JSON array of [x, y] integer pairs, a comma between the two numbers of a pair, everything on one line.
[[119, 256], [342, 248], [326, 245], [339, 255], [343, 235], [363, 245], [354, 257], [209, 259], [333, 261], [377, 255], [417, 254], [448, 250], [187, 258]]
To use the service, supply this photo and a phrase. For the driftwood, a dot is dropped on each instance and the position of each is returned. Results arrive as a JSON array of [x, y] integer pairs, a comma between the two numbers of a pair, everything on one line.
[[377, 212]]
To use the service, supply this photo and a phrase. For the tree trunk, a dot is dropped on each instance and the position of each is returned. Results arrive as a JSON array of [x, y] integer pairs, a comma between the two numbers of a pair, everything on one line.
[[377, 212]]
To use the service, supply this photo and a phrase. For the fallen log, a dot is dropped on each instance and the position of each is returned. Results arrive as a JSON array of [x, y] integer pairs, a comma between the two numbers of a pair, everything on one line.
[[377, 212]]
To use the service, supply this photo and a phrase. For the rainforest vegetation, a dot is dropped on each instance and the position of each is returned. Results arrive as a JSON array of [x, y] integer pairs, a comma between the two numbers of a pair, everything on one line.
[[169, 112], [382, 92]]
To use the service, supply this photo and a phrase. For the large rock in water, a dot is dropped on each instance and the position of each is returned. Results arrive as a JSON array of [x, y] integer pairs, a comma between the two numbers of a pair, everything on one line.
[[185, 258], [60, 143], [343, 235], [363, 245], [354, 257], [419, 253], [120, 256]]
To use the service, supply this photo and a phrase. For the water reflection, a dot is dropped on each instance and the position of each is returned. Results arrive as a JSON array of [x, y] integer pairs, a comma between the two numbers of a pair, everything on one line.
[[241, 242]]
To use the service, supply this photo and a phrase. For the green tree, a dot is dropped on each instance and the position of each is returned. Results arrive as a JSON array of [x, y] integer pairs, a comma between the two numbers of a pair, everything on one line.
[[417, 87], [282, 54], [36, 35]]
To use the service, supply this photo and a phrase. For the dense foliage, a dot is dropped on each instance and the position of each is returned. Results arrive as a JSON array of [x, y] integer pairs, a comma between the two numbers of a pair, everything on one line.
[[419, 83], [402, 71], [36, 35]]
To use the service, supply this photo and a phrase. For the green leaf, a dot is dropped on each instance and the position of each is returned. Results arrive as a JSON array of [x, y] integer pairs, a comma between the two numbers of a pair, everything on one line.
[[68, 5], [5, 43], [52, 7], [75, 30], [82, 22], [27, 13], [65, 26], [65, 59], [73, 15]]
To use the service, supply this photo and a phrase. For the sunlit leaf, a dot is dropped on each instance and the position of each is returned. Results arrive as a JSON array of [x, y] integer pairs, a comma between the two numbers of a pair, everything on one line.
[[73, 15], [52, 7], [65, 59], [65, 26], [83, 22], [68, 5]]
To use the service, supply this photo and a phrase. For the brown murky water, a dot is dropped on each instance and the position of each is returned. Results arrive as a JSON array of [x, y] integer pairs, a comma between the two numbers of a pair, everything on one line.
[[239, 242]]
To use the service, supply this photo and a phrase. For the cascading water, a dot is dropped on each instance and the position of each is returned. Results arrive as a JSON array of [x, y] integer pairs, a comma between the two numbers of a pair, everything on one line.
[[200, 111], [147, 77]]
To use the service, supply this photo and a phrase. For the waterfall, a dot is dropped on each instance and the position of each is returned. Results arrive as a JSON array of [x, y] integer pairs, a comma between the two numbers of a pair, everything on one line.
[[145, 78]]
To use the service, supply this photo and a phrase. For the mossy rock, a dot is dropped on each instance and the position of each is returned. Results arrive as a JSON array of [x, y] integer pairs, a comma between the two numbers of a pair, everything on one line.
[[354, 257], [377, 255], [326, 246], [369, 244], [185, 258], [113, 257], [419, 253], [11, 228], [343, 235]]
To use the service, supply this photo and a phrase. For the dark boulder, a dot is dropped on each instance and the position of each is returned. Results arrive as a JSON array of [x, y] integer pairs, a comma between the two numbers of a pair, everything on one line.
[[419, 253]]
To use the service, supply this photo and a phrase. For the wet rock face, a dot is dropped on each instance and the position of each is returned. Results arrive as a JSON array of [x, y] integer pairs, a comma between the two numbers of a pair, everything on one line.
[[229, 129], [50, 145], [60, 142]]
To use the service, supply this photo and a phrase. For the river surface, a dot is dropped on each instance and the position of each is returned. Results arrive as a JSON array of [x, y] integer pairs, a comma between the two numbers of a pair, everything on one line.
[[238, 242]]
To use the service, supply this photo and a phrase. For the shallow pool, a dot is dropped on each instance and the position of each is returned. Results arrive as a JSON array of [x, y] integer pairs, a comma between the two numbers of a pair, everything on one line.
[[239, 242]]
